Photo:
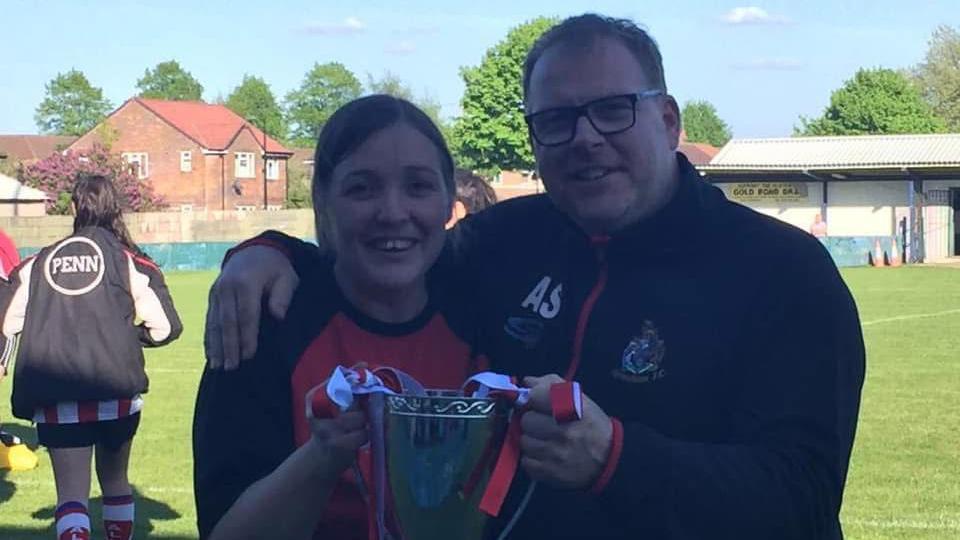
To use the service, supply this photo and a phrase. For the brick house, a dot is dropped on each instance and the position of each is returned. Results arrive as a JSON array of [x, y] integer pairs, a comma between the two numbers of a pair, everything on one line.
[[199, 156], [699, 154], [29, 149]]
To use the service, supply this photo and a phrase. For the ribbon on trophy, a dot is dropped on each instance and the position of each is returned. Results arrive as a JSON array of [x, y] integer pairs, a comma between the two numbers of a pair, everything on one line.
[[566, 403], [346, 386], [340, 392]]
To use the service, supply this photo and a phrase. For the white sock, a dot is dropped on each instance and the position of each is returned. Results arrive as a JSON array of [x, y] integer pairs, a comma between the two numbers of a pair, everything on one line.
[[72, 515]]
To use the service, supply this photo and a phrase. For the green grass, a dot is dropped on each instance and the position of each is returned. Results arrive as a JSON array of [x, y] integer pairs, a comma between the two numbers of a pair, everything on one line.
[[905, 473], [904, 479]]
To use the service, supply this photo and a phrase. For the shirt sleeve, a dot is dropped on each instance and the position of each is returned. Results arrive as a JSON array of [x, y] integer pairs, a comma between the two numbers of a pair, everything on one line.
[[153, 304], [242, 428], [15, 297], [302, 255], [781, 473]]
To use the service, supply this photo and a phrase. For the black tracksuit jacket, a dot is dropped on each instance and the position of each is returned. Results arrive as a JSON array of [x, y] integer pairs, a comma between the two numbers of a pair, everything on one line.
[[725, 341], [85, 307]]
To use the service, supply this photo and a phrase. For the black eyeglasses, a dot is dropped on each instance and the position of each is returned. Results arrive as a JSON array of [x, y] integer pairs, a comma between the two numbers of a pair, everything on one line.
[[609, 115]]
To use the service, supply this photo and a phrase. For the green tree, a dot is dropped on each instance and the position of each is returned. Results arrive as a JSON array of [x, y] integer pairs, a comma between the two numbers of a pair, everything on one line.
[[324, 89], [392, 85], [938, 76], [389, 84], [702, 124], [9, 167], [170, 81], [253, 100], [874, 101], [298, 186], [491, 134], [72, 106]]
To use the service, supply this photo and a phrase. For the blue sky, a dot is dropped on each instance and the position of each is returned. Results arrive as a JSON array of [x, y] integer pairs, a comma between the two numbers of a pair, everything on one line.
[[761, 64]]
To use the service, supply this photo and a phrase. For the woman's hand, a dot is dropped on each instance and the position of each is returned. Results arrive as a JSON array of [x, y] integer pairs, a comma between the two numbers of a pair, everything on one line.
[[334, 441]]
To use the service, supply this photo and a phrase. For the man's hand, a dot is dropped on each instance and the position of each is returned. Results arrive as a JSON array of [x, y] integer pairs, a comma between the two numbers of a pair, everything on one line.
[[233, 309], [567, 456]]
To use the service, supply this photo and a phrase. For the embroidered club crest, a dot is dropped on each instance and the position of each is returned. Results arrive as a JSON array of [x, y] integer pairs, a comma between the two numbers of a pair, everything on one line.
[[642, 357]]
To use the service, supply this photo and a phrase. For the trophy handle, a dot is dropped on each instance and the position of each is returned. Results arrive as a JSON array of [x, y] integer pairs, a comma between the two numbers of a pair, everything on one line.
[[520, 509]]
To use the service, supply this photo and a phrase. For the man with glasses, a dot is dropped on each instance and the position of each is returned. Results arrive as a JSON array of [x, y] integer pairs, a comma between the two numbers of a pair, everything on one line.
[[719, 351]]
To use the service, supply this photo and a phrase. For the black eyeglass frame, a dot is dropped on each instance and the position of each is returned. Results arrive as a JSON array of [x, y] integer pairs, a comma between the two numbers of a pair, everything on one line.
[[584, 110]]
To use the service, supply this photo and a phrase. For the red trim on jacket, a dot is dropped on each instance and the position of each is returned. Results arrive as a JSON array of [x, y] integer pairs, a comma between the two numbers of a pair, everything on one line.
[[600, 243], [613, 459]]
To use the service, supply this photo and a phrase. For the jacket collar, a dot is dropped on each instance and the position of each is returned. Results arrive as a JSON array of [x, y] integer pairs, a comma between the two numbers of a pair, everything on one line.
[[679, 224], [674, 228]]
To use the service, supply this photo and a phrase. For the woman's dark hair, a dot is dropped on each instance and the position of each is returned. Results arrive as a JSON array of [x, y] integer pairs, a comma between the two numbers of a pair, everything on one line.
[[473, 191], [99, 204], [353, 124]]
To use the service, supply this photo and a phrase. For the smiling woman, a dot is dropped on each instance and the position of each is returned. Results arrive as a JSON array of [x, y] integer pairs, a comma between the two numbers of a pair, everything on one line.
[[383, 191], [384, 201]]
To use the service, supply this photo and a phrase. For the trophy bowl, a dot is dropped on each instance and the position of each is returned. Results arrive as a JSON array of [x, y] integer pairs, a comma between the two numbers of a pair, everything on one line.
[[440, 450]]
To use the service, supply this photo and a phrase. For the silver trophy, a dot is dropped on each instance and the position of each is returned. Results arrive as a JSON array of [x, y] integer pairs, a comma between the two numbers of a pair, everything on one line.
[[440, 450]]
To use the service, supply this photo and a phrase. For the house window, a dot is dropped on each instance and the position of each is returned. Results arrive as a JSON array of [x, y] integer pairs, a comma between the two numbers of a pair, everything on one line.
[[274, 207], [139, 163], [186, 208], [243, 165], [186, 161], [245, 208], [273, 169]]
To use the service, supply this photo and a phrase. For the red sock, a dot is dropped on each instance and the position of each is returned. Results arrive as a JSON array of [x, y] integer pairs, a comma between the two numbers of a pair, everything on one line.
[[73, 523], [118, 517]]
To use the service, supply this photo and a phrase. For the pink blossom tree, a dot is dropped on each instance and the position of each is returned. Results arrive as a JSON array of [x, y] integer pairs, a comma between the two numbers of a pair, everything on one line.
[[56, 175]]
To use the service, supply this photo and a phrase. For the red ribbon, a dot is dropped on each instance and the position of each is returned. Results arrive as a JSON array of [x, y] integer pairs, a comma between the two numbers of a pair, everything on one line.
[[566, 402], [566, 406], [504, 471]]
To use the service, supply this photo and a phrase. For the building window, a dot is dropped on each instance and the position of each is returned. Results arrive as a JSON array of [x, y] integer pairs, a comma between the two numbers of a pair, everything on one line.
[[274, 207], [245, 208], [273, 169], [186, 208], [243, 165], [186, 161], [139, 163]]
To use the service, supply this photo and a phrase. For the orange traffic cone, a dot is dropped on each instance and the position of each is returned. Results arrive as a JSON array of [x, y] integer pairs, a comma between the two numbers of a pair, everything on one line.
[[877, 255], [894, 253]]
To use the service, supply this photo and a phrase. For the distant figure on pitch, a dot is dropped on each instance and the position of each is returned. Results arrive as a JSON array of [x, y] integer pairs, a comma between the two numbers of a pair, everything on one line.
[[84, 308]]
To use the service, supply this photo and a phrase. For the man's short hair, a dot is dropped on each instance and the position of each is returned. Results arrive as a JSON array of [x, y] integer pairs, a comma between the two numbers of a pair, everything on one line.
[[587, 28], [473, 191]]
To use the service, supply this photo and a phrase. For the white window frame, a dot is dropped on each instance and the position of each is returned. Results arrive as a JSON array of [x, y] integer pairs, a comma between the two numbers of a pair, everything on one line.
[[250, 171], [274, 207], [142, 159], [273, 169], [186, 161]]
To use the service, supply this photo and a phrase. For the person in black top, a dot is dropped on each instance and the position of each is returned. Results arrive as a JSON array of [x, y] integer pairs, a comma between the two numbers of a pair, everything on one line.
[[720, 350]]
